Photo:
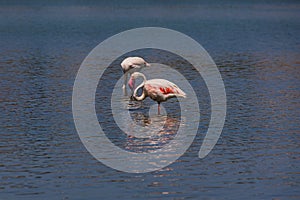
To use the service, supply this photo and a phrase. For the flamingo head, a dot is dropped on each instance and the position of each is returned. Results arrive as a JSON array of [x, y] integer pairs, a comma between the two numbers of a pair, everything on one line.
[[138, 93]]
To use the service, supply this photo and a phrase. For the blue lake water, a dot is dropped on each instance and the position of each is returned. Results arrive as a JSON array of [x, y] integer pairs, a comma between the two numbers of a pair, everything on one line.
[[256, 46]]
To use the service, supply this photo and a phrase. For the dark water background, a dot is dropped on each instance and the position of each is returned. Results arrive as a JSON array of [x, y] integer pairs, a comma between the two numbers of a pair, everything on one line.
[[256, 46]]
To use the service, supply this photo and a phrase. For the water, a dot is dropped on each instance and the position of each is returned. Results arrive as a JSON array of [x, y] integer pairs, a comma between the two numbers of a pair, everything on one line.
[[256, 48]]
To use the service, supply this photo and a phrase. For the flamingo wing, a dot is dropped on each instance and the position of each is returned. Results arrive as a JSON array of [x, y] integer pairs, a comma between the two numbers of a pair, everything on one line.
[[164, 87], [133, 63]]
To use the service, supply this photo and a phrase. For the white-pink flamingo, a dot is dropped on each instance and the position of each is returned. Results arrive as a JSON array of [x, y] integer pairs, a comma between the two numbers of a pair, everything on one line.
[[131, 65], [159, 90]]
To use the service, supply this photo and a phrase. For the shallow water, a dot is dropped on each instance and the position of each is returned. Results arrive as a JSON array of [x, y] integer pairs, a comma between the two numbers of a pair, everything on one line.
[[256, 48]]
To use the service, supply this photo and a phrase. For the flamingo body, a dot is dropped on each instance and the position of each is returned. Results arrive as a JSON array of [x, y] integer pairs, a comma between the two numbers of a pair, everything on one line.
[[131, 65], [159, 90]]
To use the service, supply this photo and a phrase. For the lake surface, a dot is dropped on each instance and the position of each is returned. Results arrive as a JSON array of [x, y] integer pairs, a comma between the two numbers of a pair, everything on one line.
[[256, 47]]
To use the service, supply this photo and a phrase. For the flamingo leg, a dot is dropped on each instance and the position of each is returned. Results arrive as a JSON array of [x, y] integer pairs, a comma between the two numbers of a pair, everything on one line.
[[124, 85], [158, 109]]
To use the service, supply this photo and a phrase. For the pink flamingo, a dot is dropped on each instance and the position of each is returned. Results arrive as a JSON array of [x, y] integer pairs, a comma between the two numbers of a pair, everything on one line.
[[131, 65], [159, 90]]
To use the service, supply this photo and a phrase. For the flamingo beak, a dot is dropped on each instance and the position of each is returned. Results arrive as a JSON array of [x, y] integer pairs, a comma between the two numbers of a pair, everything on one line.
[[148, 65]]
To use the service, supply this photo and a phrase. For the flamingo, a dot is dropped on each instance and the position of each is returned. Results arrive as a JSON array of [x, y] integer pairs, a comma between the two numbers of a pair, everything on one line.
[[159, 90], [131, 65]]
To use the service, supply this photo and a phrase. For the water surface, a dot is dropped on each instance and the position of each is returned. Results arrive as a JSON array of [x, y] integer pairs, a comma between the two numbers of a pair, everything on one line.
[[256, 48]]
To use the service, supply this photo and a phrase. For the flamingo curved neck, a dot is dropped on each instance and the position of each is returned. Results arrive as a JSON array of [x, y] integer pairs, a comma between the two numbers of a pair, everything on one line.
[[143, 96], [142, 75]]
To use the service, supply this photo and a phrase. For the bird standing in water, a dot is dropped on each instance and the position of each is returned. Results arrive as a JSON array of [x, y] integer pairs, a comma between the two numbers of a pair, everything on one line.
[[129, 66], [159, 90]]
